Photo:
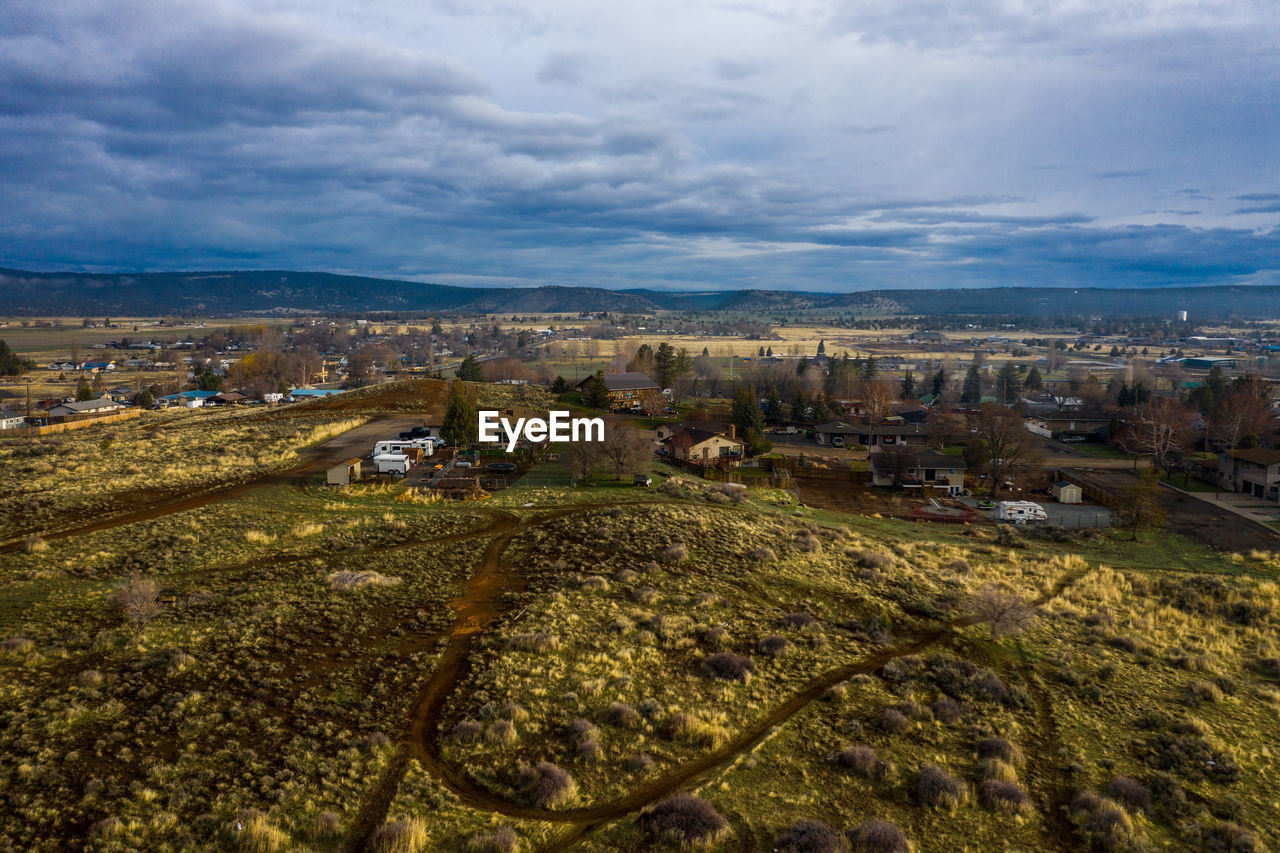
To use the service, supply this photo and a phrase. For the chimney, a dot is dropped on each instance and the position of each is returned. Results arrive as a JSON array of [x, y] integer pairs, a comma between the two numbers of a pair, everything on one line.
[[733, 429]]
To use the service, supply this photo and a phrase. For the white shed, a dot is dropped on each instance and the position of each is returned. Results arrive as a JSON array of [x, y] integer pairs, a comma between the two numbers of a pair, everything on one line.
[[1066, 493]]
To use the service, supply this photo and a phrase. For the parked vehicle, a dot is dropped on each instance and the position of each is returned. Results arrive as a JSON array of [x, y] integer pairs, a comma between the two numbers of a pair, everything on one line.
[[1022, 512], [395, 464], [643, 480], [417, 432], [837, 441], [424, 446], [790, 431]]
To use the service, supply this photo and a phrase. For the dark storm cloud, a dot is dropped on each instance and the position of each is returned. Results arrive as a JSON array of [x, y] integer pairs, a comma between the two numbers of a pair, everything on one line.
[[572, 149]]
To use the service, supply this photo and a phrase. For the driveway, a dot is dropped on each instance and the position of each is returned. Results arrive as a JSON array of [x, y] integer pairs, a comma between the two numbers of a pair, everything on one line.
[[1070, 516]]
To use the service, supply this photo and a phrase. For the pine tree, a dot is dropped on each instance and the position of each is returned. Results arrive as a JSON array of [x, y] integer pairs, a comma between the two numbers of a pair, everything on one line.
[[559, 386], [971, 392], [773, 406], [939, 381], [469, 370], [1008, 385], [908, 386], [461, 425], [822, 347], [664, 365], [799, 407], [746, 411], [83, 391], [1033, 382]]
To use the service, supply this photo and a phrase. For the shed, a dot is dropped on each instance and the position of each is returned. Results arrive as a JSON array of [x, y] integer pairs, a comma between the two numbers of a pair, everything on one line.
[[1066, 493], [345, 473]]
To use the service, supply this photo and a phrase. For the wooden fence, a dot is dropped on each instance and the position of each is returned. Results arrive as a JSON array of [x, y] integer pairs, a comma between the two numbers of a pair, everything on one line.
[[79, 422]]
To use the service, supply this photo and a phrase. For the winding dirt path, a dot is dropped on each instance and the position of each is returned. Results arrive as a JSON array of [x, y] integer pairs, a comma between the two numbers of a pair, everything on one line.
[[484, 604]]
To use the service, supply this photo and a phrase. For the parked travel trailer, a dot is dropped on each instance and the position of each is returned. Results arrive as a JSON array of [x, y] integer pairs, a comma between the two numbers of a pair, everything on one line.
[[1021, 512], [395, 464], [426, 445]]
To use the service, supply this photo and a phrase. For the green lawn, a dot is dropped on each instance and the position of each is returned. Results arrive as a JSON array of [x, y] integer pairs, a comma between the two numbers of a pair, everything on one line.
[[1187, 484], [1102, 451]]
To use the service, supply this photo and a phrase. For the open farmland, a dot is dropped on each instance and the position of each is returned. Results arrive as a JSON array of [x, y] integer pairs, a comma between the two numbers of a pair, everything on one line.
[[610, 668]]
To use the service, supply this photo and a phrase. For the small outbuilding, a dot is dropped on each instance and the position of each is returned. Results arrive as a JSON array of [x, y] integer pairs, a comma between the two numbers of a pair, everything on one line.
[[345, 473], [1066, 493]]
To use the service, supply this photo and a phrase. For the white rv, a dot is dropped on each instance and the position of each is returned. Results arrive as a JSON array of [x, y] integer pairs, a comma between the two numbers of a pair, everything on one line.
[[1022, 512], [401, 445], [395, 464]]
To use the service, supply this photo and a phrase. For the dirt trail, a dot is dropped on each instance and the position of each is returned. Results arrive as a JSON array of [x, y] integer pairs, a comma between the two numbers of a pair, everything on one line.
[[478, 609], [316, 459]]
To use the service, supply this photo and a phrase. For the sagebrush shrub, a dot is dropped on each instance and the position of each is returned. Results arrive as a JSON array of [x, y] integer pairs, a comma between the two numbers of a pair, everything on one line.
[[546, 785], [863, 760], [936, 789], [684, 820], [810, 836], [878, 836], [1003, 796], [501, 839], [728, 666]]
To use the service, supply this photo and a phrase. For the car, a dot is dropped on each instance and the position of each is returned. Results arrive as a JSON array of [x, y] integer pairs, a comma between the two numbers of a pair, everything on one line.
[[416, 432], [790, 431], [837, 441]]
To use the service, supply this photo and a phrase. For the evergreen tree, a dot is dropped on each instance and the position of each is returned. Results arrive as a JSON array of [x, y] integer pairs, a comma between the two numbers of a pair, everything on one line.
[[1033, 382], [869, 369], [768, 352], [754, 444], [799, 407], [11, 364], [144, 399], [664, 365], [83, 391], [822, 347], [559, 386], [746, 411], [596, 393], [908, 386], [707, 354], [461, 425], [469, 370], [773, 406], [760, 354], [971, 392], [939, 381], [1008, 384]]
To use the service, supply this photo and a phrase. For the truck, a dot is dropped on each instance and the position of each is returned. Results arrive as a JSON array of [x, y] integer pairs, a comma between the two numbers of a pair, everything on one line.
[[1022, 512], [417, 432], [395, 464]]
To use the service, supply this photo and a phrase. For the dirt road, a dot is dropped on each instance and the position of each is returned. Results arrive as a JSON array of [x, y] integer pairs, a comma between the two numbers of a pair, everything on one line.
[[314, 461]]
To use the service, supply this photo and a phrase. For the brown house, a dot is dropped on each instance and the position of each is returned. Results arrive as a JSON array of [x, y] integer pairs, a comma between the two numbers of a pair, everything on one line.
[[704, 447]]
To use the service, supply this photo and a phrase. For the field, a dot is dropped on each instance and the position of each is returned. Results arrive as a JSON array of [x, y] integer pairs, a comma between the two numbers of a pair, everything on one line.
[[610, 668]]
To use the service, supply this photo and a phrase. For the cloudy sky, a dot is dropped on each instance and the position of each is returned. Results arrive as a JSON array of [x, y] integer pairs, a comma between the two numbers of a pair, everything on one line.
[[801, 144]]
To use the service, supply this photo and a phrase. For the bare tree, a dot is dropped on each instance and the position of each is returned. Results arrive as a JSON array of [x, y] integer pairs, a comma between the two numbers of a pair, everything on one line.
[[652, 402], [138, 601], [624, 449], [877, 399], [895, 460], [580, 458], [1158, 428], [1138, 506], [1003, 445], [1003, 612]]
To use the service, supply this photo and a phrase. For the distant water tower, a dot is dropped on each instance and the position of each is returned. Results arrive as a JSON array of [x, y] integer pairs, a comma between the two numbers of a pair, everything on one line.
[[1182, 316]]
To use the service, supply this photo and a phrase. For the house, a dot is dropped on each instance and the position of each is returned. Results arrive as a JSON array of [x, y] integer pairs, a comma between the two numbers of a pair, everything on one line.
[[1253, 472], [1085, 426], [625, 389], [704, 447], [666, 430], [919, 435], [1067, 493], [228, 398], [100, 406], [928, 470], [8, 421], [99, 366], [344, 473]]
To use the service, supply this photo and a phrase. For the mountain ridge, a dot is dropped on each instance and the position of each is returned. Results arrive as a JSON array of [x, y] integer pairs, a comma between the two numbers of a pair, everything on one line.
[[286, 292]]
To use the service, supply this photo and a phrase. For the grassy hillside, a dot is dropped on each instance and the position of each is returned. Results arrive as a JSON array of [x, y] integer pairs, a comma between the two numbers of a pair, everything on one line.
[[613, 668]]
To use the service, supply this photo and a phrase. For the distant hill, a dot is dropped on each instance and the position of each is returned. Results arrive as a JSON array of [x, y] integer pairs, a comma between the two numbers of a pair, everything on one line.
[[267, 292]]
